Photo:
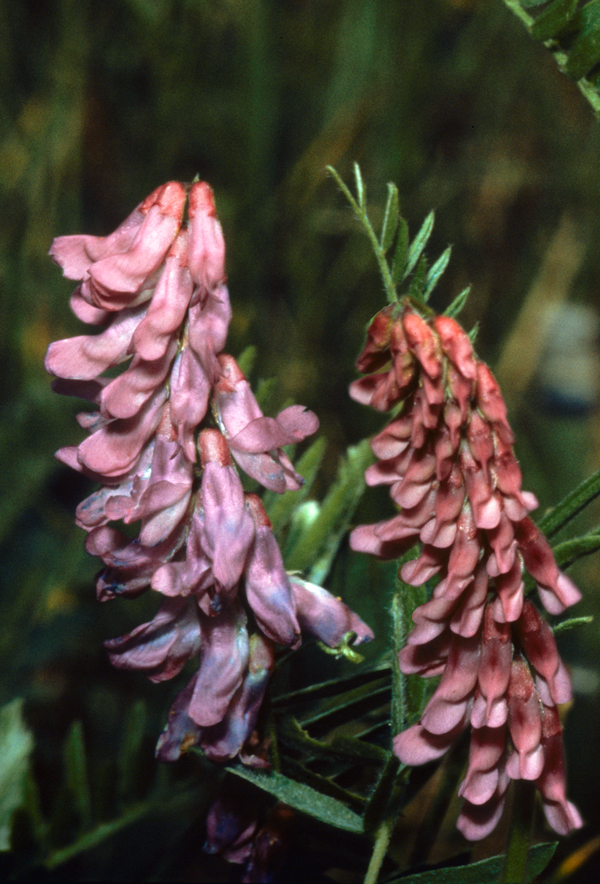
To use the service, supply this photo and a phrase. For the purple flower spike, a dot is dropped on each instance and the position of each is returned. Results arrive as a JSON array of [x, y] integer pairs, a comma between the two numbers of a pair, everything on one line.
[[155, 291]]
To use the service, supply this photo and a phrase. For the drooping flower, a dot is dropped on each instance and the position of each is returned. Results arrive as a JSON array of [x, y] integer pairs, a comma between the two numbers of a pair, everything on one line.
[[447, 458], [155, 291]]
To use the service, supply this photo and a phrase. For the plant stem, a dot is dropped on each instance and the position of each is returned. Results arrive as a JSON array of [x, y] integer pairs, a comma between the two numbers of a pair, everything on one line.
[[520, 830], [382, 839]]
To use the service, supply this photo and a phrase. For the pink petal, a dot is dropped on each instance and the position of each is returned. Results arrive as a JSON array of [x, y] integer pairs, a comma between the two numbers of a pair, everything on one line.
[[190, 389], [87, 356], [114, 450], [168, 306], [163, 646], [267, 584], [228, 527], [223, 661], [324, 616], [119, 277], [206, 244]]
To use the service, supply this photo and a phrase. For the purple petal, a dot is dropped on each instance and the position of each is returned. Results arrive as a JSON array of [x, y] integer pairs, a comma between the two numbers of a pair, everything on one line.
[[163, 646], [223, 662], [325, 617]]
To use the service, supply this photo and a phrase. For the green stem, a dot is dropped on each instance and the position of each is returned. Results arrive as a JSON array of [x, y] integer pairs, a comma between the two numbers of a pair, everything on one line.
[[429, 828], [364, 220], [520, 831], [382, 839], [398, 678]]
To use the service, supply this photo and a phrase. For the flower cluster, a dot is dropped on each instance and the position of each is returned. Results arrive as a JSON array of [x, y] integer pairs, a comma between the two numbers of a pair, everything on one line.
[[234, 832], [163, 443], [449, 462]]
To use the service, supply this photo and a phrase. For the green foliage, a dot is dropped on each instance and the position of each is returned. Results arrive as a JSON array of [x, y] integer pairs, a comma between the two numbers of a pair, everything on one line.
[[408, 255], [16, 743], [571, 31], [486, 871]]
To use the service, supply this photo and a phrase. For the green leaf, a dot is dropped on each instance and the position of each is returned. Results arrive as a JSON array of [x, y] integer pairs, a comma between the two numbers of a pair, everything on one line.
[[346, 748], [419, 243], [360, 188], [378, 802], [332, 687], [571, 623], [317, 546], [130, 759], [553, 19], [247, 358], [584, 52], [417, 283], [571, 505], [401, 253], [486, 871], [458, 303], [16, 744], [435, 273], [390, 218], [182, 802], [301, 797], [281, 507], [348, 700], [76, 773], [568, 552]]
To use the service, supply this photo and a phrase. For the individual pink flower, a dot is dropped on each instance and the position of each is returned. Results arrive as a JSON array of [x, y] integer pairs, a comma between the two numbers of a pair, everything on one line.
[[447, 458], [256, 441]]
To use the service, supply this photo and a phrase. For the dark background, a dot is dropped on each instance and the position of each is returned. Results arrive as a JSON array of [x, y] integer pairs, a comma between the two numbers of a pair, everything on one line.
[[102, 102]]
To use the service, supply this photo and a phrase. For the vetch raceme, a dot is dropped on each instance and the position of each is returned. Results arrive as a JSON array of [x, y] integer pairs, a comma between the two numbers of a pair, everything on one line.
[[165, 442], [447, 458]]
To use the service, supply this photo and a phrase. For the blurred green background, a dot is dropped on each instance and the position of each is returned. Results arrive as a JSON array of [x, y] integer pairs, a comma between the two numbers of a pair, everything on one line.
[[102, 102]]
